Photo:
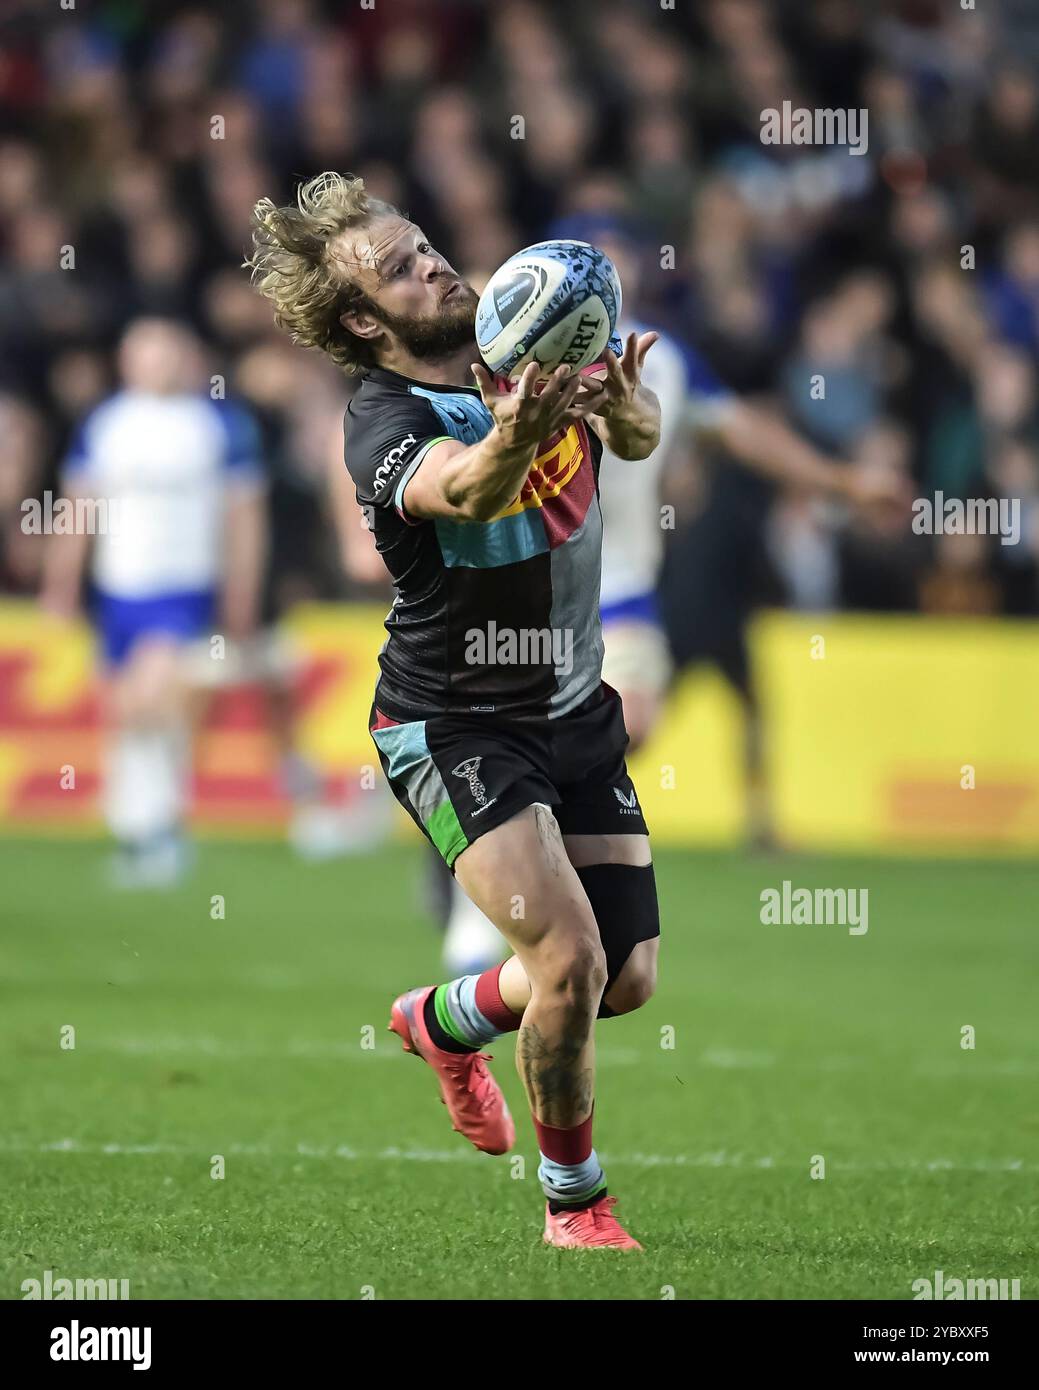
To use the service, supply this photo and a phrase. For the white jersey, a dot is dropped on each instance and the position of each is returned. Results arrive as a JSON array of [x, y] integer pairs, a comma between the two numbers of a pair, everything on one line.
[[165, 465], [629, 491]]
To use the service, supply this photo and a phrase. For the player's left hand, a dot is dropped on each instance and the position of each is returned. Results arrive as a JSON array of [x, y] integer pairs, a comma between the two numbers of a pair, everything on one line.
[[622, 375]]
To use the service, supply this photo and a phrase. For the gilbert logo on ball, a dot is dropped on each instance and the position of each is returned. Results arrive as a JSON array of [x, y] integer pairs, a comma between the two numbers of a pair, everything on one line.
[[554, 303]]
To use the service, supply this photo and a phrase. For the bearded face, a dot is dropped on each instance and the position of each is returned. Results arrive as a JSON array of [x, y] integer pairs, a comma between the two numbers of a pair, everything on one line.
[[439, 334]]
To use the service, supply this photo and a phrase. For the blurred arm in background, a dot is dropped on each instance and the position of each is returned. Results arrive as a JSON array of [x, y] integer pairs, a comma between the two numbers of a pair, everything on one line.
[[245, 542], [765, 443], [64, 564]]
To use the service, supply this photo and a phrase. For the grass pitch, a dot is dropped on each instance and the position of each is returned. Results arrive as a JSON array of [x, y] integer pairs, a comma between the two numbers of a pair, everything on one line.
[[244, 1037]]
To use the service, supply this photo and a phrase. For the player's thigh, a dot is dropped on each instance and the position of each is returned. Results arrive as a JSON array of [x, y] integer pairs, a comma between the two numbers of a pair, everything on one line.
[[617, 875], [605, 848], [606, 838], [520, 875], [149, 682], [636, 979]]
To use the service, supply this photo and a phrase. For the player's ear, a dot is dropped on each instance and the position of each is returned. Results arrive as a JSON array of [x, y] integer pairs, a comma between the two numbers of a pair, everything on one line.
[[360, 323]]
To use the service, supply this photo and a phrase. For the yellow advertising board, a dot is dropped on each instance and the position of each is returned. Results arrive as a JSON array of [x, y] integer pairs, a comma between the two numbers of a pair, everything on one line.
[[907, 734], [878, 734]]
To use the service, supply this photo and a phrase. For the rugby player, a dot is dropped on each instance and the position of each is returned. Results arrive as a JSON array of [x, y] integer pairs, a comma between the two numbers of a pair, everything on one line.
[[484, 503], [184, 478]]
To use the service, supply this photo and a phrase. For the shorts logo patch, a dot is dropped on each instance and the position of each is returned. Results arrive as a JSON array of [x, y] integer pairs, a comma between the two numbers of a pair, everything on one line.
[[629, 803], [469, 769]]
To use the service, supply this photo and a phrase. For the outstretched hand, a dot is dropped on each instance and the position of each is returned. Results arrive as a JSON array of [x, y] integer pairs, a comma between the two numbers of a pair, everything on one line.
[[531, 411], [623, 375]]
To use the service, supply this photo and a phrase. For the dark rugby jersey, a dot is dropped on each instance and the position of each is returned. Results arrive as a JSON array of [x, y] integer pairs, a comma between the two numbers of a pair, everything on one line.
[[495, 617]]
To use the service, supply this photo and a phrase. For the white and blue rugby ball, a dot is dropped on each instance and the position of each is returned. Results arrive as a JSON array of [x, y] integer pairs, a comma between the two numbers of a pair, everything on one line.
[[554, 303]]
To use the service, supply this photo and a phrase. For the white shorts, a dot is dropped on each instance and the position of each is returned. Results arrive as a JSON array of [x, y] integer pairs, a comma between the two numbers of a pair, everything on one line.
[[263, 659], [637, 656]]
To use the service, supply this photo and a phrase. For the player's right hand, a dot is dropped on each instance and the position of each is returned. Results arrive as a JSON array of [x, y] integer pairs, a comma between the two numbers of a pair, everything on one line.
[[529, 411]]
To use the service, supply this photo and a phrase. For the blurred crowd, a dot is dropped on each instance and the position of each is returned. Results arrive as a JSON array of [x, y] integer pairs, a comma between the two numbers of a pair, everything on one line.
[[138, 139]]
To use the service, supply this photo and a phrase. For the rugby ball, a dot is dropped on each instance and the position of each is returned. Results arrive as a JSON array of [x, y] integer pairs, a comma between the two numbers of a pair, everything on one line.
[[554, 303]]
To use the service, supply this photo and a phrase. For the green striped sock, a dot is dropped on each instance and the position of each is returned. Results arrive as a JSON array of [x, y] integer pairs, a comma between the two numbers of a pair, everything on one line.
[[444, 1018]]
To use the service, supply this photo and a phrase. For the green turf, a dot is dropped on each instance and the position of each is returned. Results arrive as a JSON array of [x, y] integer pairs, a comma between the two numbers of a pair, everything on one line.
[[243, 1038]]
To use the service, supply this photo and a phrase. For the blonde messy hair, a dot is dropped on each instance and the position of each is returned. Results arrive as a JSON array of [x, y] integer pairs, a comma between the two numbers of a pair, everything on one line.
[[292, 265]]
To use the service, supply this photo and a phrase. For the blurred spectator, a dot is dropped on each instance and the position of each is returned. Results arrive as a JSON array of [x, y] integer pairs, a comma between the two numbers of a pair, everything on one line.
[[834, 385], [959, 582], [1013, 288], [21, 479], [141, 137]]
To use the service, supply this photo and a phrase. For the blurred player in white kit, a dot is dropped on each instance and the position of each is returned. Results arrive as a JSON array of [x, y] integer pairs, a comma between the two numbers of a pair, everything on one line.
[[182, 563]]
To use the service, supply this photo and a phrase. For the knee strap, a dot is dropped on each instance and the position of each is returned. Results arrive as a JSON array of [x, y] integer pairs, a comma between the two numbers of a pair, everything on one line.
[[624, 900]]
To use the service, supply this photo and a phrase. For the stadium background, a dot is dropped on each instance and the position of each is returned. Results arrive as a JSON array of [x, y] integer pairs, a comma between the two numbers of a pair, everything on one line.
[[788, 262]]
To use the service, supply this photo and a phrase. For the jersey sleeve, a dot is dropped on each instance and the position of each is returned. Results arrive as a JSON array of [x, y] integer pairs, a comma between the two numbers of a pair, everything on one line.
[[243, 448], [79, 465], [385, 446]]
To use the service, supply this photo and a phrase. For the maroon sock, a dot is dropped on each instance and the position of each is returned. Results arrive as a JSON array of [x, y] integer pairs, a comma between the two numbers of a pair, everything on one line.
[[491, 1004], [570, 1146]]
